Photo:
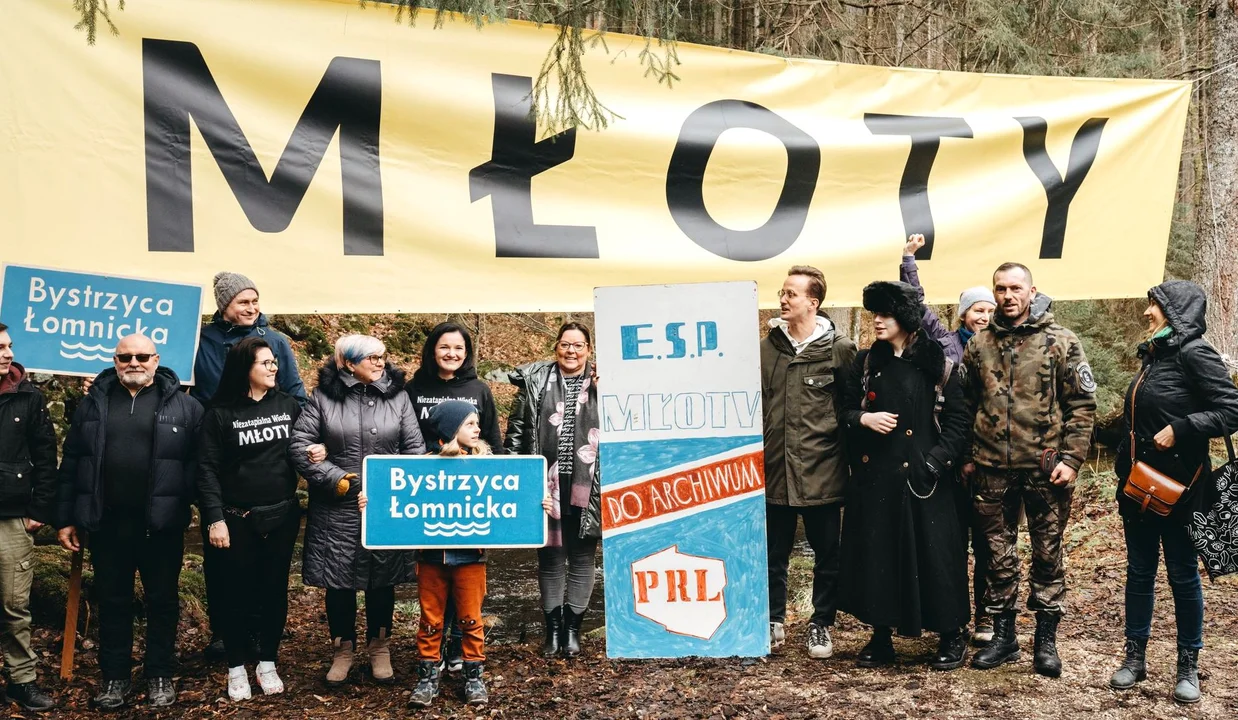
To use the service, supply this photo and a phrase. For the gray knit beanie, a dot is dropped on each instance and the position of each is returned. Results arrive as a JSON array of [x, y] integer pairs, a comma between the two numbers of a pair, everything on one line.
[[971, 296], [228, 285]]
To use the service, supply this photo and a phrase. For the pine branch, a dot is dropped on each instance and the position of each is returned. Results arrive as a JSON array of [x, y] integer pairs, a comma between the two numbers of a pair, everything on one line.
[[91, 11]]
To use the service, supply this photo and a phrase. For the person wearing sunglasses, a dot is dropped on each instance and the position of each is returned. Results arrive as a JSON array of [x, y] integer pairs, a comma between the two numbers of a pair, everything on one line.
[[238, 317], [556, 416], [247, 489], [359, 409], [127, 480]]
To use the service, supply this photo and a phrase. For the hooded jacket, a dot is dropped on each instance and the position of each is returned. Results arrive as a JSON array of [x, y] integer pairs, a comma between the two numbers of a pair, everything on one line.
[[426, 390], [173, 457], [219, 336], [27, 451], [1031, 389], [1183, 384], [353, 420], [801, 396]]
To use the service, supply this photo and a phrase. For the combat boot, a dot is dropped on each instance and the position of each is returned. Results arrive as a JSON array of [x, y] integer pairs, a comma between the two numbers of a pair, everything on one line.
[[1134, 668], [1003, 648], [1046, 660], [427, 684], [1187, 689]]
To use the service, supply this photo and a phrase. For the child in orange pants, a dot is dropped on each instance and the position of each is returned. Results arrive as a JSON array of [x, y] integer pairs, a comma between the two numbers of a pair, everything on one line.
[[460, 574]]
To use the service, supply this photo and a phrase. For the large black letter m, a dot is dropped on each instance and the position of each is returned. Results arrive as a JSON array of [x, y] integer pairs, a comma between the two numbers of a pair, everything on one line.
[[178, 85]]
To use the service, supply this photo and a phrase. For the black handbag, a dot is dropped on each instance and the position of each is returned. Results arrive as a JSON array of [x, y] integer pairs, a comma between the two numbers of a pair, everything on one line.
[[1214, 530], [265, 519]]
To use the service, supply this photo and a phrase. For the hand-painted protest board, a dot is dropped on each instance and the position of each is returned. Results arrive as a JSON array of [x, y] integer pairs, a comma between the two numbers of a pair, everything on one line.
[[683, 480], [68, 323], [428, 501]]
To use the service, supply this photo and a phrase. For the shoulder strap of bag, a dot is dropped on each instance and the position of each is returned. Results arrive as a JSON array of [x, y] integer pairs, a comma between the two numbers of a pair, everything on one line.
[[864, 383], [939, 393], [1143, 372]]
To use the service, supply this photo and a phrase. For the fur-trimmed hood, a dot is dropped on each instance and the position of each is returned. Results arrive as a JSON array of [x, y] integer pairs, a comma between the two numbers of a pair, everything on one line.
[[925, 354], [336, 382], [898, 300]]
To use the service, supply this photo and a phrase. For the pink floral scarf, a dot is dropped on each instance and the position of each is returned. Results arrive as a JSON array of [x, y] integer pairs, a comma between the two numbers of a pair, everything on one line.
[[585, 440]]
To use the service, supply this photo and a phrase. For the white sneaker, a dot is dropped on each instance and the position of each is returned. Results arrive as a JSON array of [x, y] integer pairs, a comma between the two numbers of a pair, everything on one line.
[[238, 684], [820, 644], [268, 678], [777, 635]]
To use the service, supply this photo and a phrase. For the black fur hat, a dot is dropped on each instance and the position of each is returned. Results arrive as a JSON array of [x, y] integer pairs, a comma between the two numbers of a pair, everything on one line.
[[896, 299]]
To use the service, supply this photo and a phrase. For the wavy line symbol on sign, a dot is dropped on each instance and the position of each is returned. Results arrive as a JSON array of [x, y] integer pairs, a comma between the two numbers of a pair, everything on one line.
[[86, 352], [457, 529]]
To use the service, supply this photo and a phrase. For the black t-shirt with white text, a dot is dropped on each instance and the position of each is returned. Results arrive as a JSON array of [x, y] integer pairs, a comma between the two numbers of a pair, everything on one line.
[[244, 454]]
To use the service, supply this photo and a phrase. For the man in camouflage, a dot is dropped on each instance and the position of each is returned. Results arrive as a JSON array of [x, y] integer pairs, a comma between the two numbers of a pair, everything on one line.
[[1032, 391]]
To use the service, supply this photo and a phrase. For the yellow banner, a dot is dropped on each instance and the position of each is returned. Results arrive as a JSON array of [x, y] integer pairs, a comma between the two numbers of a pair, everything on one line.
[[347, 163]]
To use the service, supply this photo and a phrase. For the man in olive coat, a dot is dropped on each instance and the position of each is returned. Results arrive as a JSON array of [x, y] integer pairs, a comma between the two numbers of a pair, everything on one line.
[[803, 366]]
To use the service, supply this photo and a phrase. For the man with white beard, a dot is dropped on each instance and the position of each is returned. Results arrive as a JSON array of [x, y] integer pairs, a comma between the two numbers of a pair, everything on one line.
[[126, 481]]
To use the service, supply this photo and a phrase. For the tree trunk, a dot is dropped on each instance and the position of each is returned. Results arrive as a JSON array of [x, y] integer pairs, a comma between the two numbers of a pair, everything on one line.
[[1216, 251]]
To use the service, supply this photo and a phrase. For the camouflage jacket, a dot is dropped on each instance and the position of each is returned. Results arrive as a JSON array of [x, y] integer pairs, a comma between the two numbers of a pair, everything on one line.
[[1031, 389]]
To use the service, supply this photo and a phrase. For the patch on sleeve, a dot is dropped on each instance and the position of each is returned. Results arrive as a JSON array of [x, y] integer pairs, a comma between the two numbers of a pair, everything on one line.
[[1087, 383]]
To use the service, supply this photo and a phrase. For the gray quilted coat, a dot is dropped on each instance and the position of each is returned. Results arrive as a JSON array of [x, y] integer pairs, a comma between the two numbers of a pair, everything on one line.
[[353, 420]]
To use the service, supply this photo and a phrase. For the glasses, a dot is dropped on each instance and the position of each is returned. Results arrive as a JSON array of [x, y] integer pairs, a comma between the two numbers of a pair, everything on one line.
[[785, 294], [128, 357], [377, 359], [577, 346], [268, 364]]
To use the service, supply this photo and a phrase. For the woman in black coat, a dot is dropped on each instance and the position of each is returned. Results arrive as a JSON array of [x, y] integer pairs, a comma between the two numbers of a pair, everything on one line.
[[1182, 396], [904, 561]]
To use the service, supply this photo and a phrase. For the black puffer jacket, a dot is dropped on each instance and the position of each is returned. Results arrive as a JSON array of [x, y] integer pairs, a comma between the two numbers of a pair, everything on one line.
[[27, 452], [174, 456], [353, 420], [1184, 384]]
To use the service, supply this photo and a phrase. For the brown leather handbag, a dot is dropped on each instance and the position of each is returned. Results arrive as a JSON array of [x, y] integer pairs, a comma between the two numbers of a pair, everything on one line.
[[1151, 488]]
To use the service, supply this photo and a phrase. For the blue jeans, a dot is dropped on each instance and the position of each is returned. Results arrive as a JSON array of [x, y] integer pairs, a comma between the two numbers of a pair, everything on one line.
[[1144, 539]]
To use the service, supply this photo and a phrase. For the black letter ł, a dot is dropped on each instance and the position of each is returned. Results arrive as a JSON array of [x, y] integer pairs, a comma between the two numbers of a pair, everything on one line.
[[516, 156], [1060, 192], [926, 134], [178, 85], [686, 176]]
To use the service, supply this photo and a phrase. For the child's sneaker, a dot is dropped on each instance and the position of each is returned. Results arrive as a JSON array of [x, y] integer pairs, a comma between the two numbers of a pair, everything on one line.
[[474, 687], [427, 684], [238, 684], [269, 679]]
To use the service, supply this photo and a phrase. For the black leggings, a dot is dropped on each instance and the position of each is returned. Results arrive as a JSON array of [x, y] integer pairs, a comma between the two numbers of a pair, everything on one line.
[[255, 569], [342, 612]]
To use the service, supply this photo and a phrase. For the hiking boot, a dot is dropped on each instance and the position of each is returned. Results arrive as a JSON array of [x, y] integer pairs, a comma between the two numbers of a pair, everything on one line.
[[879, 651], [453, 653], [777, 635], [30, 696], [1003, 648], [1045, 657], [379, 649], [1134, 667], [951, 650], [427, 684], [474, 687], [238, 684], [1187, 689], [983, 634], [341, 662], [820, 644], [571, 631], [113, 696], [554, 628], [161, 691]]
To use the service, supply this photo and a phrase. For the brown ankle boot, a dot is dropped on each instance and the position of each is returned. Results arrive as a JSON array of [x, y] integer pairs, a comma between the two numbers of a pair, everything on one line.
[[380, 657], [341, 662]]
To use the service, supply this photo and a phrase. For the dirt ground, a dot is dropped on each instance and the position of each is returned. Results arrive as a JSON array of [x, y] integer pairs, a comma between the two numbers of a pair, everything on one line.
[[787, 685]]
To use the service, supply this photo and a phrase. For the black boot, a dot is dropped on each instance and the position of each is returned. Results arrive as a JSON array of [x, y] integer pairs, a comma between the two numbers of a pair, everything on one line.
[[878, 652], [571, 631], [1134, 668], [1187, 689], [30, 696], [427, 684], [554, 628], [951, 650], [474, 687], [1046, 661], [1003, 648]]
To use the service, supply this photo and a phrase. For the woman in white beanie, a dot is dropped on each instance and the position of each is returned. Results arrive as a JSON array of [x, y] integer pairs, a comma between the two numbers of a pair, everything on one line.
[[976, 306]]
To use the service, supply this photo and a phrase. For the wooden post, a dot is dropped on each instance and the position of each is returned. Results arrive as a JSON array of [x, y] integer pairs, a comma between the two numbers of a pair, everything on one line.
[[70, 617]]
